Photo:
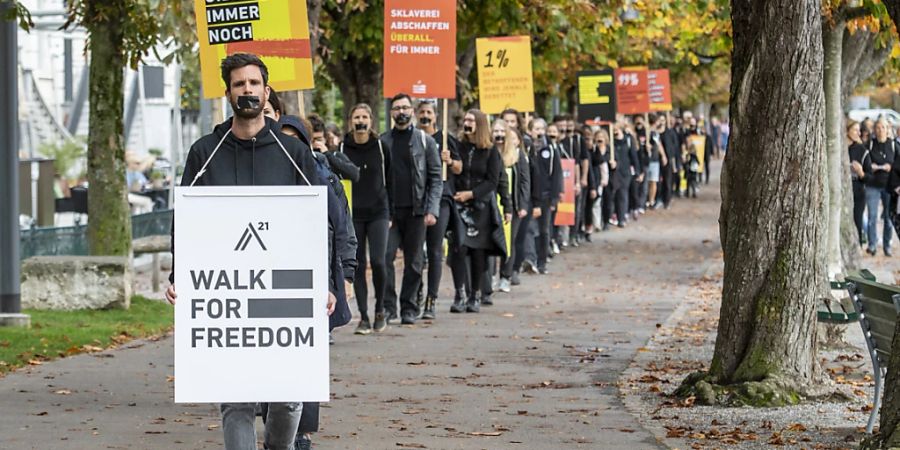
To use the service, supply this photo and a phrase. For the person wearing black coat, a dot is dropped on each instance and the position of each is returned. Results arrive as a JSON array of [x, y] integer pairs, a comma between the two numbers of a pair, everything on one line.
[[623, 166], [476, 192], [546, 188], [371, 211], [434, 235], [858, 155], [521, 208]]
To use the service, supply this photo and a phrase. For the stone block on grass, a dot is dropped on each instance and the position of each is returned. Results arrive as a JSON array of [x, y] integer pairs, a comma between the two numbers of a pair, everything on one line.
[[76, 282]]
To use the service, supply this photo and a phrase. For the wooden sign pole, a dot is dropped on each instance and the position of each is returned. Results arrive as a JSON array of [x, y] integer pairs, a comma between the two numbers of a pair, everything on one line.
[[445, 119]]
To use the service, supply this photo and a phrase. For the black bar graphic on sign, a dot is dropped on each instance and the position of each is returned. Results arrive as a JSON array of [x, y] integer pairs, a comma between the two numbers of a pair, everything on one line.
[[279, 308], [292, 279]]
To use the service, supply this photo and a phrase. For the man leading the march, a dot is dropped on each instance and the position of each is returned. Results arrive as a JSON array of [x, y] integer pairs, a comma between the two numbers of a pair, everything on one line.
[[251, 150]]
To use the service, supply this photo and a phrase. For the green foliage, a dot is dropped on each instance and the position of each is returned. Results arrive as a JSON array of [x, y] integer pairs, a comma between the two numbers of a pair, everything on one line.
[[18, 12], [55, 334], [64, 155], [133, 21]]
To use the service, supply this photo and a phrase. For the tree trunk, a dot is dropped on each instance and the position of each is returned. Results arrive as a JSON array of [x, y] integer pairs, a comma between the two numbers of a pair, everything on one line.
[[359, 82], [772, 218], [832, 40], [109, 227]]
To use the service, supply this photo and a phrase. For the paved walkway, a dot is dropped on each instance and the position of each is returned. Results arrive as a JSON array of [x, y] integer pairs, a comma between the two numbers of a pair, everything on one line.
[[537, 370]]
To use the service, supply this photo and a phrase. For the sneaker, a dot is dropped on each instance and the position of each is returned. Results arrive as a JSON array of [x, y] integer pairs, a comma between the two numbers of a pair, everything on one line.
[[487, 300], [392, 317], [504, 285], [871, 251], [303, 443], [380, 323], [888, 252], [543, 271], [515, 281], [428, 312], [529, 267], [495, 283], [587, 238], [408, 319], [555, 248], [364, 327], [330, 338]]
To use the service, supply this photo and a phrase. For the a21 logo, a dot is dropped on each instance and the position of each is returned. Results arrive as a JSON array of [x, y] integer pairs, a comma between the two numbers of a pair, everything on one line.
[[250, 233]]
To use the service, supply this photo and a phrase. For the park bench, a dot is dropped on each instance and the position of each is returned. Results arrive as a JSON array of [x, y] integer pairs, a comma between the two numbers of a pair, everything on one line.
[[153, 245], [877, 307], [840, 311]]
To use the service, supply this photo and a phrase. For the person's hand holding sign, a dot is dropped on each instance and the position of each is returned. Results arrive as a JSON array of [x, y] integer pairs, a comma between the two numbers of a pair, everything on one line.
[[332, 300], [170, 295]]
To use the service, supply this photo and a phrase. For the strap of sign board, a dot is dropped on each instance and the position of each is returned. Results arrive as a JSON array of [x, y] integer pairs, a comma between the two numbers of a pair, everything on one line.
[[291, 159], [203, 169]]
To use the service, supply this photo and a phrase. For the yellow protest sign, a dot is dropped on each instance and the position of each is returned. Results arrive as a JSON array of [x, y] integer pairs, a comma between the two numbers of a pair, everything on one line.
[[505, 79], [699, 143], [275, 30]]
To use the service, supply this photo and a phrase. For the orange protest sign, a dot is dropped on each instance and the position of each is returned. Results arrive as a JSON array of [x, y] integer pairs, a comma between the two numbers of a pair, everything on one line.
[[505, 78], [276, 30], [565, 211], [632, 96], [420, 48], [660, 90]]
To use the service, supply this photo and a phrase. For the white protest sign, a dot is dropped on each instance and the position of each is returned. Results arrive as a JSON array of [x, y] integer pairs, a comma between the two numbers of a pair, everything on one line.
[[251, 273]]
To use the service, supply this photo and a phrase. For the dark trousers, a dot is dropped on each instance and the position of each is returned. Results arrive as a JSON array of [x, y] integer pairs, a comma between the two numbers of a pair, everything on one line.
[[621, 194], [859, 207], [520, 242], [575, 230], [459, 267], [606, 205], [477, 261], [665, 185], [542, 240], [693, 179], [508, 264], [434, 243], [407, 233], [676, 183], [375, 233], [706, 170]]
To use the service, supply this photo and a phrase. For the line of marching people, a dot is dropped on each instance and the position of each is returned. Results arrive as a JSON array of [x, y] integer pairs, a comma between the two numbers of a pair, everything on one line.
[[487, 198]]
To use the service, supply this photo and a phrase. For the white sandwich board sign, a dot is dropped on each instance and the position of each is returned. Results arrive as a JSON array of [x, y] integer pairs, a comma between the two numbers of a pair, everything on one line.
[[251, 274]]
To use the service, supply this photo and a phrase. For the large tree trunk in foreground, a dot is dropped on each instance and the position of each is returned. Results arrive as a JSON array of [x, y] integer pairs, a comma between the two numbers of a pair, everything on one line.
[[772, 222], [889, 428], [109, 226]]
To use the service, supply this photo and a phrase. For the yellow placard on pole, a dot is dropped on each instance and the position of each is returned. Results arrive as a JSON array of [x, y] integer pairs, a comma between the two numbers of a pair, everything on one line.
[[699, 142], [275, 30], [505, 78], [348, 191]]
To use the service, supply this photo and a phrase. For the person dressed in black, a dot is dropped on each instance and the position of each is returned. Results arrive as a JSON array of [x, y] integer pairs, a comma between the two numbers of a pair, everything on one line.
[[518, 171], [476, 192], [670, 173], [416, 203], [694, 130], [638, 192], [434, 236], [600, 163], [249, 149], [371, 211], [624, 165], [858, 154], [546, 188], [337, 161]]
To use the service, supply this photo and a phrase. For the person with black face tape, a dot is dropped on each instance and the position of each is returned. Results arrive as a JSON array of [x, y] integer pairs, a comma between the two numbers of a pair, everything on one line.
[[623, 168], [491, 281], [518, 171], [546, 190], [476, 193], [371, 212], [416, 203], [434, 235]]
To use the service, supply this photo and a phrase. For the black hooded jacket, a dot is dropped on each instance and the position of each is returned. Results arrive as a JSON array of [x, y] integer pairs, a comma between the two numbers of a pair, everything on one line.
[[261, 161]]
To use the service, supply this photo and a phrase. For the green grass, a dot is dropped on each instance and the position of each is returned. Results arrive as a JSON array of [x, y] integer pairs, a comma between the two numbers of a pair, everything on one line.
[[56, 334]]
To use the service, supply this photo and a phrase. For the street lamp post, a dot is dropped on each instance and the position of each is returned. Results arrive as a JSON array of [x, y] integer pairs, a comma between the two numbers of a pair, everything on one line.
[[10, 291]]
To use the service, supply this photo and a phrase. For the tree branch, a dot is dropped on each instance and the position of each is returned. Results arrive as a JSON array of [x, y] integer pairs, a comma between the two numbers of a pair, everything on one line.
[[854, 13]]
